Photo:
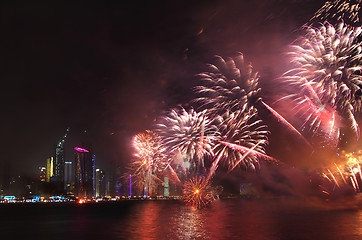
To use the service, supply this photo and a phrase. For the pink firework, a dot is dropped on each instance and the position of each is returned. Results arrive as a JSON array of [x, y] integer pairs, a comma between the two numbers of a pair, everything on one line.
[[149, 160]]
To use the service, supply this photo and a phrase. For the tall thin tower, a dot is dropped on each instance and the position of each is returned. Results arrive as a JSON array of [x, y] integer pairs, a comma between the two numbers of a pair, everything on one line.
[[59, 159]]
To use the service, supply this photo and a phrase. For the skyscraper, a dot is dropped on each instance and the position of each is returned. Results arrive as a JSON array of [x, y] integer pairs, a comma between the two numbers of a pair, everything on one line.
[[166, 192], [59, 159], [100, 183], [84, 172], [50, 170], [68, 176]]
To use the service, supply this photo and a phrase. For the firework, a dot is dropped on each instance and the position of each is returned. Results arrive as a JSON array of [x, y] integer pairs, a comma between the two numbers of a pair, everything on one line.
[[197, 192], [242, 129], [327, 72], [345, 174], [228, 86], [149, 160], [229, 91], [337, 11], [188, 136], [284, 121]]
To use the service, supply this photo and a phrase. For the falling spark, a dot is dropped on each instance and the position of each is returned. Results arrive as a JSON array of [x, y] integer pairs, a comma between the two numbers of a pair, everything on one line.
[[240, 148]]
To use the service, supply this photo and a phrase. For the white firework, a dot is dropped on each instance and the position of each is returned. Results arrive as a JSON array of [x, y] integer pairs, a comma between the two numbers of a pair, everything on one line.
[[246, 132], [188, 133], [326, 69], [338, 11], [228, 86]]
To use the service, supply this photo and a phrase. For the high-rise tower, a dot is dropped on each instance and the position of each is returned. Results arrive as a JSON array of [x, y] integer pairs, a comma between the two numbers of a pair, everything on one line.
[[84, 172], [68, 176], [59, 159], [100, 183], [50, 169]]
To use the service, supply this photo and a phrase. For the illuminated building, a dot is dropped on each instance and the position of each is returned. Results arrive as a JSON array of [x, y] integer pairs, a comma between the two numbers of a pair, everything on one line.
[[49, 169], [84, 172], [99, 183], [59, 161], [42, 174], [166, 192], [68, 175]]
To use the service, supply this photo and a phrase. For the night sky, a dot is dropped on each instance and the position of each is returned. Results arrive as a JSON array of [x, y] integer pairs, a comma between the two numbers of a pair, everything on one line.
[[112, 69]]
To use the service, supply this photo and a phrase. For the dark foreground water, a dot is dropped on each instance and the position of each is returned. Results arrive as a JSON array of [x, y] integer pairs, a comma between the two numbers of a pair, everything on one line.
[[224, 219]]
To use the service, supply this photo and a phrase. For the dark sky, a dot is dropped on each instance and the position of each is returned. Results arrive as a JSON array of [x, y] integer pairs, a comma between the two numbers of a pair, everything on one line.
[[111, 69]]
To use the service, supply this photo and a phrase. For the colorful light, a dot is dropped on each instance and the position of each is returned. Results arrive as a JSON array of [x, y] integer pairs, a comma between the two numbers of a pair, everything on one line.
[[79, 149], [197, 192], [130, 186]]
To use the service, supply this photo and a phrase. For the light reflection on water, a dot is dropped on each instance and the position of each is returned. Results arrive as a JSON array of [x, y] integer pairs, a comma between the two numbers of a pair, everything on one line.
[[359, 222], [237, 219], [223, 219], [189, 223], [162, 220]]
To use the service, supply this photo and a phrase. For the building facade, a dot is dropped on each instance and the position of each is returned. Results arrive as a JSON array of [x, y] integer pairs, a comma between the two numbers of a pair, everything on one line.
[[84, 172], [68, 177], [59, 160], [100, 184]]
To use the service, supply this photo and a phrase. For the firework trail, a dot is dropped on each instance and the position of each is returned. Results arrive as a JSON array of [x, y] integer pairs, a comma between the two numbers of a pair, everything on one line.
[[197, 192], [327, 72], [215, 163], [284, 121], [228, 86], [242, 129], [246, 152], [149, 160], [338, 11], [188, 134]]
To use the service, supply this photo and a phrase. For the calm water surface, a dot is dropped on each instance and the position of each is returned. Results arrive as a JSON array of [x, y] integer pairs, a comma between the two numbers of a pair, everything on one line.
[[224, 219]]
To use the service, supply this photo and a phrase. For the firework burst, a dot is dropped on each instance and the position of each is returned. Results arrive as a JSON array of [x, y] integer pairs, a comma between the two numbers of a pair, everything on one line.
[[149, 160], [327, 72], [228, 86], [197, 192], [243, 129], [337, 11], [187, 136], [229, 91]]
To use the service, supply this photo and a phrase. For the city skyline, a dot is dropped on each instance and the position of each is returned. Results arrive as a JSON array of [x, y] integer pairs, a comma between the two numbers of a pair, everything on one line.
[[71, 171], [210, 119]]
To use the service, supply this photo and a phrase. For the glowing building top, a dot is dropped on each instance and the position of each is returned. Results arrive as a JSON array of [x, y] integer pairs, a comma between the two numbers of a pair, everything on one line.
[[79, 149]]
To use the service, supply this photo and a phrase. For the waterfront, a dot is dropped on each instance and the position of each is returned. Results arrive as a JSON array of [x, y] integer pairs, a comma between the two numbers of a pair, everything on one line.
[[171, 219]]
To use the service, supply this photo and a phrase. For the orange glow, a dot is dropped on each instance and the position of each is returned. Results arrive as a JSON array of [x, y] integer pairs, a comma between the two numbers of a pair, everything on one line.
[[197, 191], [81, 201]]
